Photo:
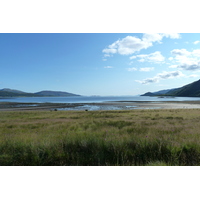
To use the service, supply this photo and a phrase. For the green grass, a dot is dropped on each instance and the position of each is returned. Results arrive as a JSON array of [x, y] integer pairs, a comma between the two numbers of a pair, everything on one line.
[[106, 138]]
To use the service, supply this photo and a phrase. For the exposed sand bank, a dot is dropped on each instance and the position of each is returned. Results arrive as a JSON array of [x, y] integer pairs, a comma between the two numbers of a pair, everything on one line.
[[119, 105]]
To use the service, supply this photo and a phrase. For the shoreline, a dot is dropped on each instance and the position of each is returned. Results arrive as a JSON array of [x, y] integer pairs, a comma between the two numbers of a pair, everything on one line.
[[109, 105]]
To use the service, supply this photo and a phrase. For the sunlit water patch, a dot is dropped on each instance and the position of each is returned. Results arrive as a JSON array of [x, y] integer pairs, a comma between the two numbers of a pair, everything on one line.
[[92, 108], [131, 107]]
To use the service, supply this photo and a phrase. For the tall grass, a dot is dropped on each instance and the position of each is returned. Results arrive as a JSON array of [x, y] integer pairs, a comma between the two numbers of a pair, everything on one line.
[[134, 137]]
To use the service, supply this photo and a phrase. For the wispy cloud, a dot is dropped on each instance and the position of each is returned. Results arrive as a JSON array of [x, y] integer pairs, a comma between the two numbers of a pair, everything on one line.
[[160, 76], [108, 67], [190, 66], [146, 69], [196, 42], [142, 69], [193, 76], [132, 69], [155, 57], [180, 52]]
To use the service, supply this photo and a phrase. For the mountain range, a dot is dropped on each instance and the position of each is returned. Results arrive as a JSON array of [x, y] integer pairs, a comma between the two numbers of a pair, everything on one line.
[[6, 92], [189, 90]]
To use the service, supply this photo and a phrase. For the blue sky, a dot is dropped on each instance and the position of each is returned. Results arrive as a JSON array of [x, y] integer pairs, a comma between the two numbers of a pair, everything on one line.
[[98, 63]]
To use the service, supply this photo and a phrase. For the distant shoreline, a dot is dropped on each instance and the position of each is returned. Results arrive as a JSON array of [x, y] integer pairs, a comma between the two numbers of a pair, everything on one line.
[[109, 105]]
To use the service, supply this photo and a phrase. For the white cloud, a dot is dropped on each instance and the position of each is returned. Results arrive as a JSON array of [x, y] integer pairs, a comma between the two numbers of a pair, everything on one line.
[[186, 60], [108, 67], [196, 42], [155, 57], [152, 37], [157, 37], [146, 69], [160, 76], [132, 44], [132, 69], [129, 45]]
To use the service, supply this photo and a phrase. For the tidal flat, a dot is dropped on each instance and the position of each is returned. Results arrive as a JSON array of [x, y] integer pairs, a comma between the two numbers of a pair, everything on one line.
[[153, 137], [107, 105]]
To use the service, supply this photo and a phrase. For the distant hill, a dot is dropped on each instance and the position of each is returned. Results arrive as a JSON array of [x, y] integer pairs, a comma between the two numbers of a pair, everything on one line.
[[189, 90], [13, 91], [6, 92], [54, 93], [148, 94], [162, 92], [158, 93]]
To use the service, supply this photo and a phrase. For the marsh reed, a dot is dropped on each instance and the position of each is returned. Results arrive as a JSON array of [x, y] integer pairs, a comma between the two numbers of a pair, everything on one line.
[[100, 138]]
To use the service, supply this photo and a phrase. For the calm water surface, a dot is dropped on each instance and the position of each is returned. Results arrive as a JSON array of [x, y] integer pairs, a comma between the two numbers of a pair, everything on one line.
[[94, 99]]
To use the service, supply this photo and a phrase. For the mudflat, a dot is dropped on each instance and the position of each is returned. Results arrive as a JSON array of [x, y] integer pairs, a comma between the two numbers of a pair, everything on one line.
[[122, 105]]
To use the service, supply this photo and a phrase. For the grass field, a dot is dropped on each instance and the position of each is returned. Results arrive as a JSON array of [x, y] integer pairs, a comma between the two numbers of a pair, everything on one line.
[[106, 138]]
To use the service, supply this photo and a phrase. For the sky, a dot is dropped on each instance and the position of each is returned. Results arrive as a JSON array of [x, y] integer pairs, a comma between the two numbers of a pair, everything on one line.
[[99, 63]]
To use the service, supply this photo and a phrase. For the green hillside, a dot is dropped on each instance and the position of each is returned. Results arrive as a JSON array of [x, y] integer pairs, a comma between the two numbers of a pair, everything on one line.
[[190, 90]]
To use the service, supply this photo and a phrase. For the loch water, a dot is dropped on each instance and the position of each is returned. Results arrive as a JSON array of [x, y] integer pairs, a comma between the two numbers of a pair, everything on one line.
[[94, 99]]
